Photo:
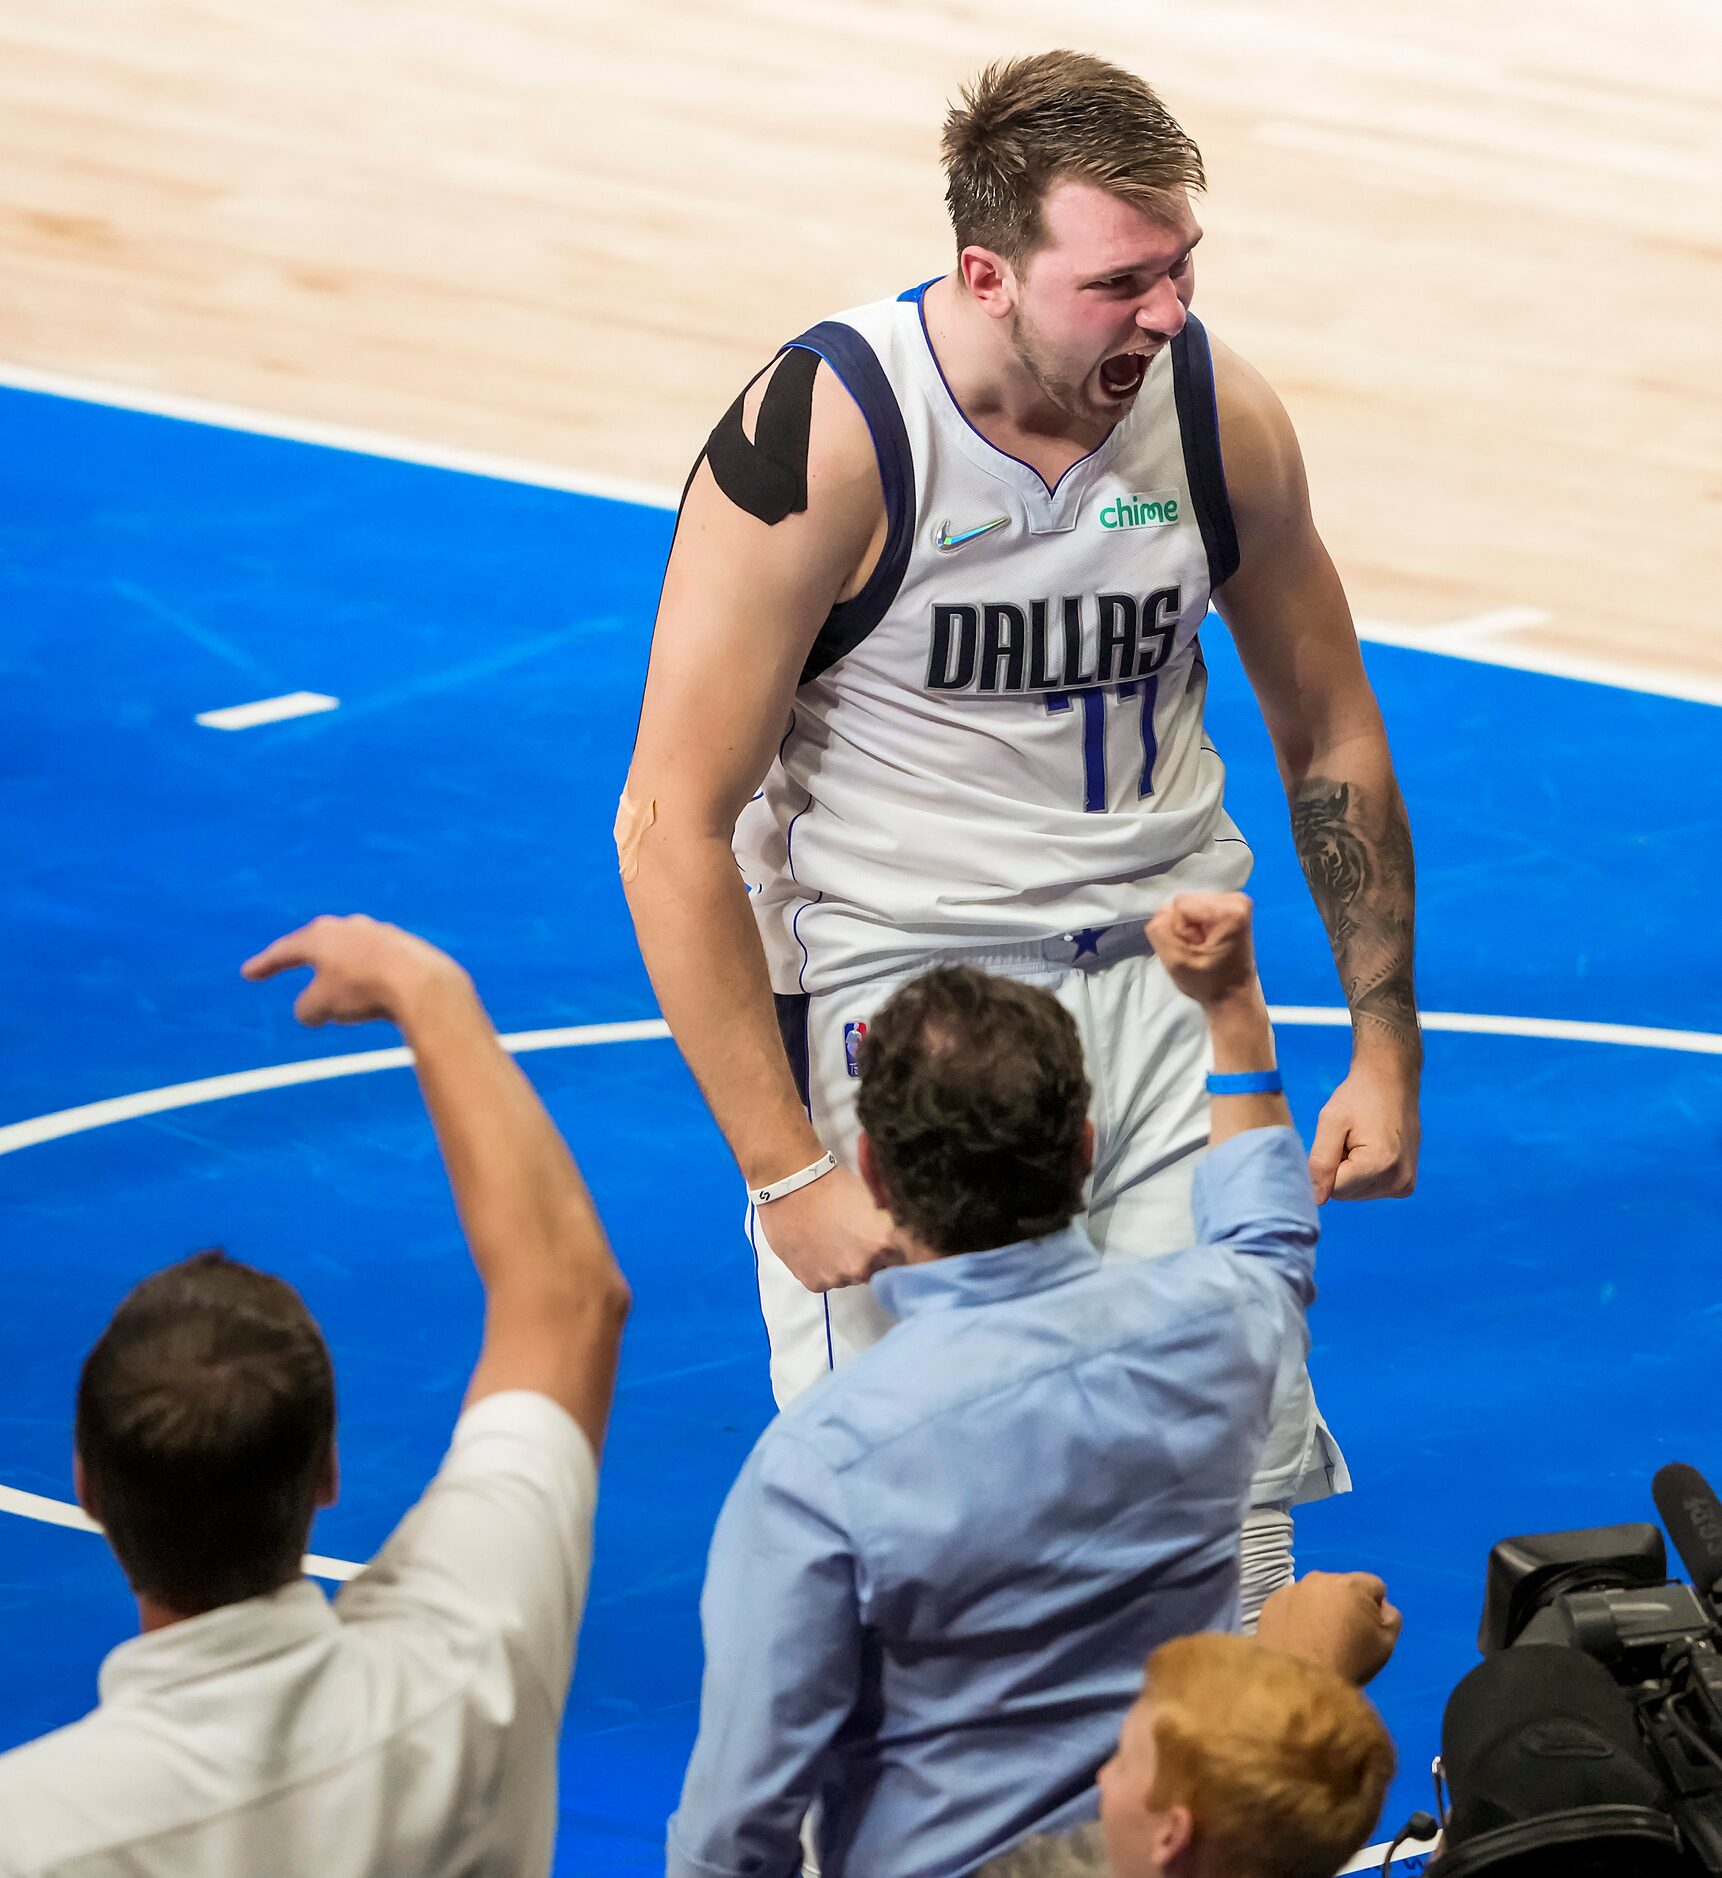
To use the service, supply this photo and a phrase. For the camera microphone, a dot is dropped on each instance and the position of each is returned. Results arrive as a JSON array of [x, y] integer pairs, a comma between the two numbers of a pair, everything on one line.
[[1693, 1516]]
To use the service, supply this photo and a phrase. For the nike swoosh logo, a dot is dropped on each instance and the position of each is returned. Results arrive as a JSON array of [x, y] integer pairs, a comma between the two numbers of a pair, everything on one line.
[[944, 540]]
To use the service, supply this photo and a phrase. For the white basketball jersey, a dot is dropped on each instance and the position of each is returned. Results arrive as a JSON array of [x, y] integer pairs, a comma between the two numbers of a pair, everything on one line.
[[999, 739]]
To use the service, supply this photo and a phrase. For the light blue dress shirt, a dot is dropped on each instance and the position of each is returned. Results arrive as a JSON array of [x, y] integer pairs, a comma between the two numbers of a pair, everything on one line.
[[934, 1584]]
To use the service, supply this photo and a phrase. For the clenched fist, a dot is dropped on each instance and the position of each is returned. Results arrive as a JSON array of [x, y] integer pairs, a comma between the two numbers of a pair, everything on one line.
[[1203, 940], [1341, 1619]]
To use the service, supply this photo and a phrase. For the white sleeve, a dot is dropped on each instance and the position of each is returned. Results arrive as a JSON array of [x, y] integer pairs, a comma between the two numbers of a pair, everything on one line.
[[501, 1539]]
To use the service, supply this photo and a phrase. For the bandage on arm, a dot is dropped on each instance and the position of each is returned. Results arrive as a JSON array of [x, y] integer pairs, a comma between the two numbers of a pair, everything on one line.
[[632, 820]]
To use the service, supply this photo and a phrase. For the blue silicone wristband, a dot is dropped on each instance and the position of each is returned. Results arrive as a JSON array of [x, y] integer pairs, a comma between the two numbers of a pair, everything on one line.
[[1247, 1082]]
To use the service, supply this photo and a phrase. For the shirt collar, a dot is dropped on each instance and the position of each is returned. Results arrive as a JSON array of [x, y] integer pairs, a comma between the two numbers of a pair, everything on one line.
[[963, 1279], [232, 1636]]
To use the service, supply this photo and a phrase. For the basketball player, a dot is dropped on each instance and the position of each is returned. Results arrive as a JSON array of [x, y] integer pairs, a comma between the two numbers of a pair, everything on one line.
[[927, 657]]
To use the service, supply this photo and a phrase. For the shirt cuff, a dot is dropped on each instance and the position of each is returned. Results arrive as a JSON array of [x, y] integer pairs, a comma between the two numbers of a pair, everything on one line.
[[1263, 1171], [679, 1862]]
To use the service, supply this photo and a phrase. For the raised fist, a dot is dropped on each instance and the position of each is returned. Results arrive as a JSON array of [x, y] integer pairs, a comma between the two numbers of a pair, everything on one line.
[[1203, 940]]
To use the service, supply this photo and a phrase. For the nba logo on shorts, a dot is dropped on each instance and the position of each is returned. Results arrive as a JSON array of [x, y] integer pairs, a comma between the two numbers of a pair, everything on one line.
[[852, 1035]]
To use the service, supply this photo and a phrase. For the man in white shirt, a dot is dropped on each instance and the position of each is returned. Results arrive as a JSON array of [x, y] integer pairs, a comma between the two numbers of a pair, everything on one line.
[[411, 1727]]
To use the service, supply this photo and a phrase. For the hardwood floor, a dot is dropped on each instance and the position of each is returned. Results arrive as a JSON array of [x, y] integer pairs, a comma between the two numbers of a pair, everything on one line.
[[1478, 250]]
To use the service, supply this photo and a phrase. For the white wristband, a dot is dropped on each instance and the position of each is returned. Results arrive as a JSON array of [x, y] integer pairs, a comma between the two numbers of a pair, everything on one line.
[[793, 1183]]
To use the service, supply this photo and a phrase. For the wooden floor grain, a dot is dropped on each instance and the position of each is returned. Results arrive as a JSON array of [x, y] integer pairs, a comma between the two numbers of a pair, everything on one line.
[[1478, 249]]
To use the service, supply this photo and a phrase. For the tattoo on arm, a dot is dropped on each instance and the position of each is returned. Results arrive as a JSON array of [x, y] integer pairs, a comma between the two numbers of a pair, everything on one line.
[[1355, 846]]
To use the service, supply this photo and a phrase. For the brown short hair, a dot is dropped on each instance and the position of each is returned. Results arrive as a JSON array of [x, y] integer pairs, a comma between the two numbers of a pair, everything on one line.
[[1283, 1764], [1025, 124], [974, 1096], [206, 1422]]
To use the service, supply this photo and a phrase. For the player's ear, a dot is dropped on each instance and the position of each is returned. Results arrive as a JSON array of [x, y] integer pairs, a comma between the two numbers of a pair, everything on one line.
[[1085, 1150], [990, 279]]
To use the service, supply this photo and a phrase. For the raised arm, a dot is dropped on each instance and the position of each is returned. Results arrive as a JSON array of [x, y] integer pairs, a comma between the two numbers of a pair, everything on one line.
[[1204, 941], [743, 600], [555, 1301], [1253, 1196], [1288, 614]]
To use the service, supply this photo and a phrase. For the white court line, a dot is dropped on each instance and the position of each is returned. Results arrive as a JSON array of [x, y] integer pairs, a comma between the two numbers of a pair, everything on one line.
[[64, 1513], [157, 403], [73, 1121], [245, 1082], [268, 710], [1369, 1859], [90, 1115], [1658, 683], [507, 469], [184, 1095], [1562, 1029], [1504, 619]]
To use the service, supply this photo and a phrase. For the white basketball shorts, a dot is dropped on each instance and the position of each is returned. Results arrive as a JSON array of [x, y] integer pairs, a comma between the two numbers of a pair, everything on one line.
[[1147, 1052]]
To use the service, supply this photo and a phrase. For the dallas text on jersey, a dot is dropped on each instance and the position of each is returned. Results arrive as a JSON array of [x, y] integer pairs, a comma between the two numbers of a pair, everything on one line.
[[995, 646]]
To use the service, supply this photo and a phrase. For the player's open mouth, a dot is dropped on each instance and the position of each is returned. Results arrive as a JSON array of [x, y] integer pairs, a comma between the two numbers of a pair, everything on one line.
[[1121, 375]]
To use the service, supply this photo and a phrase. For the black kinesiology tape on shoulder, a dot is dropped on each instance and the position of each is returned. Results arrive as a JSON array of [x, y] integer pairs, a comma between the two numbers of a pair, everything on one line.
[[766, 474]]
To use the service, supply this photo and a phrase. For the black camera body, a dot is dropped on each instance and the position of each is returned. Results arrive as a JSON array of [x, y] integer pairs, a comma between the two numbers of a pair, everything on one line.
[[1589, 1740]]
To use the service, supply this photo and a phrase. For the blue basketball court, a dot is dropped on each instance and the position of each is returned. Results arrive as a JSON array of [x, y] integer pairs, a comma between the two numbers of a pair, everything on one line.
[[1516, 1348]]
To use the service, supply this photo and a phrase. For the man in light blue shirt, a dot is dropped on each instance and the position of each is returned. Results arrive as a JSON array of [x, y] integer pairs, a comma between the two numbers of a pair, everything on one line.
[[933, 1586]]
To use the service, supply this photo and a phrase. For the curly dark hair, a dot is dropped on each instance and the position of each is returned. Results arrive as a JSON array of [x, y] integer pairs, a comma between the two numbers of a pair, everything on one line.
[[973, 1096]]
